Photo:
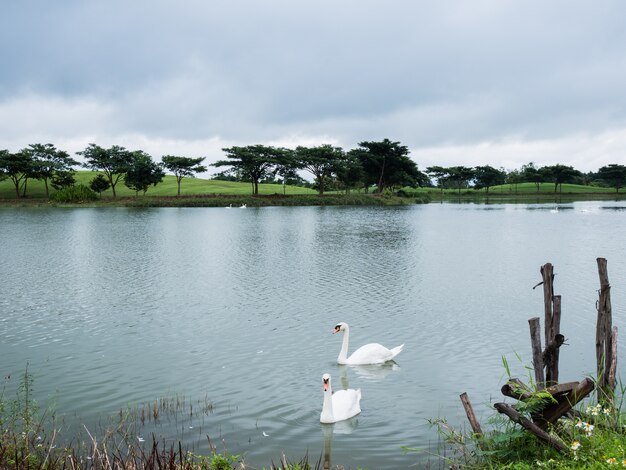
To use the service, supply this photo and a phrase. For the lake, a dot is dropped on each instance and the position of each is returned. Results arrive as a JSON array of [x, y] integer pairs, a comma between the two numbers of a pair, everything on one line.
[[231, 313]]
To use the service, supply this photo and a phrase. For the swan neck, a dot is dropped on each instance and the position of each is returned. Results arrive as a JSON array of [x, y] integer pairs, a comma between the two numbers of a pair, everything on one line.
[[343, 354]]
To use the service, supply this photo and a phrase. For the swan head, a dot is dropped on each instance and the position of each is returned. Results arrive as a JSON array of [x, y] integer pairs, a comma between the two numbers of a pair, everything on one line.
[[340, 327], [326, 382]]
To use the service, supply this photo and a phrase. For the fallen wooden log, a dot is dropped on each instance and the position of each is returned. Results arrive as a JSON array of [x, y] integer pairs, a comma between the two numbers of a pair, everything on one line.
[[517, 389], [527, 424], [552, 413]]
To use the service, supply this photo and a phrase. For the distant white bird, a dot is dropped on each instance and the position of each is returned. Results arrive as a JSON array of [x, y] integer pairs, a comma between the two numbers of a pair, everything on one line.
[[265, 434], [140, 439], [229, 206], [243, 206], [343, 404], [372, 353]]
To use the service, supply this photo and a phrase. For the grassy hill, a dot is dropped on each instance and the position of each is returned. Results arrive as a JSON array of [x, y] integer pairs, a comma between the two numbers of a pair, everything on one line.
[[168, 187]]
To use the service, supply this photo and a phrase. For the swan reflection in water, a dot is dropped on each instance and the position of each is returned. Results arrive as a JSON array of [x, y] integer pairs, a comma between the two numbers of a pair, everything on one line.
[[340, 427], [374, 372]]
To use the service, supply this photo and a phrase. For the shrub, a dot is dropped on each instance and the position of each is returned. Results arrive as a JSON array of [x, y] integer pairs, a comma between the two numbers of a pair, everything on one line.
[[78, 193]]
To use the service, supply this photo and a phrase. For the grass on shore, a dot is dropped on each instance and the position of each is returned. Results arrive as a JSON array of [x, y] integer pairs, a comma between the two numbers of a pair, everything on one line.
[[197, 192], [33, 439], [594, 436]]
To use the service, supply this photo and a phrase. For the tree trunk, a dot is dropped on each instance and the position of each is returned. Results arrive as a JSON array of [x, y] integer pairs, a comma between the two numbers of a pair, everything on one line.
[[45, 180]]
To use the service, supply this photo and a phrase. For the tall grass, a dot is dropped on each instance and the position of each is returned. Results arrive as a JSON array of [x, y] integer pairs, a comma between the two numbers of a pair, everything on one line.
[[32, 439]]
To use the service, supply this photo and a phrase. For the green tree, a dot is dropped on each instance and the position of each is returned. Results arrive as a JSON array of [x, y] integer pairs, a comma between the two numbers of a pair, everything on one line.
[[48, 161], [350, 174], [99, 184], [183, 167], [387, 164], [487, 176], [531, 174], [560, 174], [62, 179], [253, 161], [460, 176], [286, 167], [321, 162], [614, 175], [18, 167], [513, 178], [143, 172], [439, 173], [114, 162]]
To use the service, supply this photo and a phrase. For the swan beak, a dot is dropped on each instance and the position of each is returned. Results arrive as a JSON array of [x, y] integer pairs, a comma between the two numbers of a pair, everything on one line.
[[325, 386]]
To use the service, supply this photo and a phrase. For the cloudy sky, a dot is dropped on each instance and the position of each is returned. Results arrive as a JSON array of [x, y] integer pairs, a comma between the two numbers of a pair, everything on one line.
[[495, 82]]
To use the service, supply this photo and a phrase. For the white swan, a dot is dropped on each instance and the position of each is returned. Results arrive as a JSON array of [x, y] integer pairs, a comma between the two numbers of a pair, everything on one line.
[[372, 353], [243, 206], [342, 404]]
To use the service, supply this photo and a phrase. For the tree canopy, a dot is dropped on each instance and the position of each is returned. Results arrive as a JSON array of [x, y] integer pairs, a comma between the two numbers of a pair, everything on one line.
[[321, 162], [17, 167], [48, 163], [114, 162], [143, 172], [386, 164], [560, 174], [183, 167], [614, 175], [486, 176], [253, 161]]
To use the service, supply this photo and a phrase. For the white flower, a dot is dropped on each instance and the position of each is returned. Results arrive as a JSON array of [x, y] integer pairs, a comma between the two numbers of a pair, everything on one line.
[[575, 446], [611, 461]]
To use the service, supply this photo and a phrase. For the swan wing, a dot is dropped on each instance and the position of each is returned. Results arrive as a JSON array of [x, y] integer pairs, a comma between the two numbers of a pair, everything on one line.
[[373, 353], [346, 404]]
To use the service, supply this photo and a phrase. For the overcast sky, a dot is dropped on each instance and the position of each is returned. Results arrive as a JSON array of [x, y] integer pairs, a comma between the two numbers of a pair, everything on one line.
[[498, 82]]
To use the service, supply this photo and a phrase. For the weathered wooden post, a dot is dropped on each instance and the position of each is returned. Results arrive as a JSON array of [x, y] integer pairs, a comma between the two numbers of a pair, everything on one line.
[[548, 292], [469, 411], [552, 325], [535, 341], [606, 335]]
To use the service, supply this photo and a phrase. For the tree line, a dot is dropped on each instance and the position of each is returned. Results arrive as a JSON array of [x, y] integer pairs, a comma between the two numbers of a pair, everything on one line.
[[373, 165]]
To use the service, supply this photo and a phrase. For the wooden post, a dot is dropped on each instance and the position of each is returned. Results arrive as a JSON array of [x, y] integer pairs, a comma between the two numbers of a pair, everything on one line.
[[613, 366], [469, 411], [604, 333], [552, 369], [535, 341], [548, 292]]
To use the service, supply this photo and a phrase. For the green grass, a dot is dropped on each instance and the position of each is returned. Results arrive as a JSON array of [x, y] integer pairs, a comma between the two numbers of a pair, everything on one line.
[[526, 189], [168, 187], [196, 192], [594, 435]]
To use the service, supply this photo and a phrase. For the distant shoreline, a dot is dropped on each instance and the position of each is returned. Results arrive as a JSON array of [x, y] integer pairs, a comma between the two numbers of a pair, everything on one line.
[[356, 199]]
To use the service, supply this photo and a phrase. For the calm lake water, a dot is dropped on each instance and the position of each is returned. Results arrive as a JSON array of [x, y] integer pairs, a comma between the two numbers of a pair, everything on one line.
[[231, 311]]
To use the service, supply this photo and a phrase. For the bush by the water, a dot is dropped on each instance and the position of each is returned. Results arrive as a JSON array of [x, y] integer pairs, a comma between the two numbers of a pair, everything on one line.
[[78, 193]]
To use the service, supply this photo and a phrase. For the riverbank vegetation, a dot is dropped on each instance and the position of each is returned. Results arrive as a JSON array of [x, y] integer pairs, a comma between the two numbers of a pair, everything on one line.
[[34, 438], [373, 167], [595, 436]]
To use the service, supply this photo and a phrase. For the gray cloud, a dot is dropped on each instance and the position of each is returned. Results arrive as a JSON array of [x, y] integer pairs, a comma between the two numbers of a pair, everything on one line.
[[430, 74]]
